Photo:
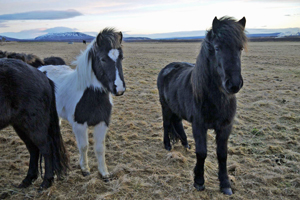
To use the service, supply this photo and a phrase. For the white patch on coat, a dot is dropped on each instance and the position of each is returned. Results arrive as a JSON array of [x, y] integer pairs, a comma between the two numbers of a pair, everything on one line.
[[113, 54]]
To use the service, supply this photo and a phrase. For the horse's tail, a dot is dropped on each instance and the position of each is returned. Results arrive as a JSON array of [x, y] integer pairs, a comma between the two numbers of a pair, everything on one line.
[[60, 155]]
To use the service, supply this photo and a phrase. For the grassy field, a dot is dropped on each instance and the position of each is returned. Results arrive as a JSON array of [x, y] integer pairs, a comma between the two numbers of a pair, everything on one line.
[[264, 147]]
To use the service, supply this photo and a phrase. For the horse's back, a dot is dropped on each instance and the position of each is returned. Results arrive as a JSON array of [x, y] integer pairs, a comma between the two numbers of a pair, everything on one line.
[[24, 91], [56, 73], [174, 86], [172, 70]]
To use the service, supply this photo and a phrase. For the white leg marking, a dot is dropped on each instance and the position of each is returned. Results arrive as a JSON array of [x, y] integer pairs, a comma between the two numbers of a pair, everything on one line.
[[81, 135], [99, 137]]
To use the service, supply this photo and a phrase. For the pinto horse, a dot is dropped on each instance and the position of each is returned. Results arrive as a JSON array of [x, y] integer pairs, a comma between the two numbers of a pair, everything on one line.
[[204, 94], [84, 94], [27, 103]]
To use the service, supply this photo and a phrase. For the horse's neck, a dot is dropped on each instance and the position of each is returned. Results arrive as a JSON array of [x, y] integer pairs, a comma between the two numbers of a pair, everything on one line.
[[204, 78]]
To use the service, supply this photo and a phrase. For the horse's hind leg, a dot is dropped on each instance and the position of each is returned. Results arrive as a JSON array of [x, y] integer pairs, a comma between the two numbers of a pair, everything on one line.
[[177, 125], [99, 137], [81, 135], [32, 173], [167, 114], [49, 171], [39, 137]]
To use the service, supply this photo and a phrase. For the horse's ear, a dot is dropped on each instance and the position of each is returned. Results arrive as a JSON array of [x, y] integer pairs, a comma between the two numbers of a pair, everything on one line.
[[216, 24], [98, 40], [121, 37], [243, 22]]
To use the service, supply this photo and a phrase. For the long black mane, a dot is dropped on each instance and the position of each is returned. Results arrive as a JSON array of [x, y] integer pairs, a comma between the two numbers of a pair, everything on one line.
[[229, 32]]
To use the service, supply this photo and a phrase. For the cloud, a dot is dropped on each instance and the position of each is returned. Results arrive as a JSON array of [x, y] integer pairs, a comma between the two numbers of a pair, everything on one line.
[[41, 15], [60, 30]]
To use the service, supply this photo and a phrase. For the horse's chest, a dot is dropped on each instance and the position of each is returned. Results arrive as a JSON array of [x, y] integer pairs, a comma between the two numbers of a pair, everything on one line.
[[93, 108], [218, 114]]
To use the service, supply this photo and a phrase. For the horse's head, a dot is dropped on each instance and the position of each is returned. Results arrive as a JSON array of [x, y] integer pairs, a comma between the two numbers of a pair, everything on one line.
[[227, 40], [107, 56]]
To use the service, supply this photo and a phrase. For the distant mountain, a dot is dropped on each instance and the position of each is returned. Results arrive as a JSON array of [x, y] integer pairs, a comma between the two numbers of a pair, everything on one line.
[[8, 39], [134, 39], [288, 34], [176, 36], [68, 36]]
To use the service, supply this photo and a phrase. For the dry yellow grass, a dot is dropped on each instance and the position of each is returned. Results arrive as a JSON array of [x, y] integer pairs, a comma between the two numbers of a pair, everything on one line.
[[264, 147]]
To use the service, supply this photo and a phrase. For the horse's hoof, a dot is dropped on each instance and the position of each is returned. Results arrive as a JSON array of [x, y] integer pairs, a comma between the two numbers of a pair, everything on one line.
[[168, 148], [85, 173], [226, 191], [107, 178], [187, 146], [27, 182], [24, 184], [46, 184], [199, 187]]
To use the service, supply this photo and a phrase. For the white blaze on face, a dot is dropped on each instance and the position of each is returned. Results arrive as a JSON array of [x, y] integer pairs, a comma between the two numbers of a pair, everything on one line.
[[114, 54]]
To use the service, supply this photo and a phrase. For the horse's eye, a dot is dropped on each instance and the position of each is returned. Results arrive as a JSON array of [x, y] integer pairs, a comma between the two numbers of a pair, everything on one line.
[[103, 60], [217, 48]]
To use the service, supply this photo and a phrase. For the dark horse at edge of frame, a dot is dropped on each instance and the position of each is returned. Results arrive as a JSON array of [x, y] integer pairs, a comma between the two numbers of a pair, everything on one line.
[[27, 103], [204, 94]]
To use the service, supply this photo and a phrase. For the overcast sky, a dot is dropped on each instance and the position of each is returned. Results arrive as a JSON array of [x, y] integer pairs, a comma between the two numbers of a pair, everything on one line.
[[26, 19]]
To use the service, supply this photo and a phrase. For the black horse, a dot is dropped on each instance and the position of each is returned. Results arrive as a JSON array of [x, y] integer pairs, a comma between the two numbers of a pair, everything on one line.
[[53, 60], [30, 59], [27, 102], [204, 95]]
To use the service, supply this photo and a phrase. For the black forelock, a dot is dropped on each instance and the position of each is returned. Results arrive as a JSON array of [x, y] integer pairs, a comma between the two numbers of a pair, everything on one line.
[[229, 32], [109, 38]]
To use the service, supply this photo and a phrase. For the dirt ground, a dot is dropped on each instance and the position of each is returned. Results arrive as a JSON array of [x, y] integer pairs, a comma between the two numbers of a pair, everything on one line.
[[264, 147]]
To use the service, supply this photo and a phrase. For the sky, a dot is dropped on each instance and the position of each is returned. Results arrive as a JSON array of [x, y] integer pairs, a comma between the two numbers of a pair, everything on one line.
[[27, 19]]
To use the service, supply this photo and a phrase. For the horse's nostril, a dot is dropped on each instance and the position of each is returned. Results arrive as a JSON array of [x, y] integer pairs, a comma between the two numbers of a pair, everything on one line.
[[231, 88], [119, 93]]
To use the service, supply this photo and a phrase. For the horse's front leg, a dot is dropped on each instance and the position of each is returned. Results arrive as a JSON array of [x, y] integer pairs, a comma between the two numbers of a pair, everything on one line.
[[199, 133], [222, 138], [81, 135], [99, 137]]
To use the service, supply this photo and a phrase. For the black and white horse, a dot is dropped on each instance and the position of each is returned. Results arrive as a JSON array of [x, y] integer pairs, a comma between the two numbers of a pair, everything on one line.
[[204, 94], [27, 102], [84, 94]]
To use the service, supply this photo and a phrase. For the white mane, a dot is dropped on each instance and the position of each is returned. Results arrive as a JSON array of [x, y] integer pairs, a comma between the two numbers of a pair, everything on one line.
[[85, 75]]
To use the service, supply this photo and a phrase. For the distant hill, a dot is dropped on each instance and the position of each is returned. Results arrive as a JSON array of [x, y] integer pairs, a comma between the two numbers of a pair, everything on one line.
[[79, 37], [66, 37], [135, 39], [8, 39]]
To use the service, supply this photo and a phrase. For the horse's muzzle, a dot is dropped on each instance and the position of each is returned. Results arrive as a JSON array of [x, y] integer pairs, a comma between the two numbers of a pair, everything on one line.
[[233, 86], [120, 93]]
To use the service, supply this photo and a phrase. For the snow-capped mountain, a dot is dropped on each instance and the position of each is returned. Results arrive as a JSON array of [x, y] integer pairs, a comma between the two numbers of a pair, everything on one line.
[[288, 34], [68, 36]]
